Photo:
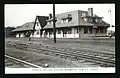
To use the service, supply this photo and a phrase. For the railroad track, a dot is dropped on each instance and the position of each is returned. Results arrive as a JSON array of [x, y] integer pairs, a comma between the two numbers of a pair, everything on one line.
[[80, 55], [23, 64], [102, 59]]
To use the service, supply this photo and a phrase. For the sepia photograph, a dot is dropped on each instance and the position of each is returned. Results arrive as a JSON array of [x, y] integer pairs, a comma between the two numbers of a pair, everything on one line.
[[59, 38]]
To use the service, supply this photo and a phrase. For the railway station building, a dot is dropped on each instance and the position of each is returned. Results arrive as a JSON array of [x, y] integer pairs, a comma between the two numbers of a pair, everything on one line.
[[73, 24]]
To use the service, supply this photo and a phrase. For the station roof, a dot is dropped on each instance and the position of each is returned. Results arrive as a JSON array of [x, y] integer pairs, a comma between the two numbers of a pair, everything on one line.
[[30, 25], [77, 20], [24, 27]]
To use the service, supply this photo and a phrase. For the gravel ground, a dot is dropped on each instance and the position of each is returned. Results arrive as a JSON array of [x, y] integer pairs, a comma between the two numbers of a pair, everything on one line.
[[57, 61], [104, 45], [52, 61]]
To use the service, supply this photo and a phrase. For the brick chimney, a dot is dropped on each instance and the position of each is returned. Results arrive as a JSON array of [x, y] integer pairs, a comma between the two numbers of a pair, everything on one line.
[[90, 11]]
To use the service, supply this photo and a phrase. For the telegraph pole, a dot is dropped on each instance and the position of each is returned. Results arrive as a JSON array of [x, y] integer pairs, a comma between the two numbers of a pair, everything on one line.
[[110, 18], [54, 28], [110, 22]]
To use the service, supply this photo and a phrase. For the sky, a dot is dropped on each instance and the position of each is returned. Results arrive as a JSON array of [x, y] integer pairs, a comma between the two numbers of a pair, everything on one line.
[[18, 14]]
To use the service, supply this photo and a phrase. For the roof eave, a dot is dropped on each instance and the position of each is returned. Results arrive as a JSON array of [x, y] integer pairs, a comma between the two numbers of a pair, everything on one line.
[[22, 30]]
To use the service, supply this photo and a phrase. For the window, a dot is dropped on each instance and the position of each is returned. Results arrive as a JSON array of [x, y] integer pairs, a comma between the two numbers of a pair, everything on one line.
[[90, 30], [90, 20], [85, 19], [46, 32], [63, 21], [49, 22], [97, 30], [101, 30], [105, 30], [77, 30], [37, 31], [96, 20], [100, 20], [65, 31], [83, 14], [59, 31], [50, 31], [69, 15], [85, 30], [66, 21], [37, 24], [69, 30]]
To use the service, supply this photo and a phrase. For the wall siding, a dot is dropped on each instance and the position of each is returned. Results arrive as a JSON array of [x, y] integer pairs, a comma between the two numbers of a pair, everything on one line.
[[74, 33]]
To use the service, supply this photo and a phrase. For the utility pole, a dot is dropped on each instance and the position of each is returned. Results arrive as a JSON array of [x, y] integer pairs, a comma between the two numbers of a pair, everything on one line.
[[110, 22], [54, 28], [110, 18]]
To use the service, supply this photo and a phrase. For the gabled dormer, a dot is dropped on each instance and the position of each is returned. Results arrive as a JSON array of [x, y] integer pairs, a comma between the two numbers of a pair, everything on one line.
[[90, 17], [40, 22], [66, 19]]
